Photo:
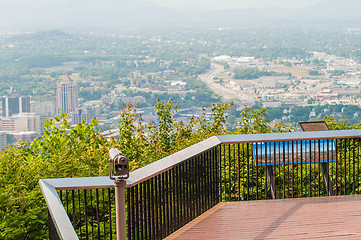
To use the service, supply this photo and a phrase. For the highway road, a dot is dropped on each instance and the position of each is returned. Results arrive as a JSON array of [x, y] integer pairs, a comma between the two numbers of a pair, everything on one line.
[[227, 94]]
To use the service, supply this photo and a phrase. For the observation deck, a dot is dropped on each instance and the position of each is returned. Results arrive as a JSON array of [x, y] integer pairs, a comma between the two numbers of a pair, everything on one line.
[[220, 189]]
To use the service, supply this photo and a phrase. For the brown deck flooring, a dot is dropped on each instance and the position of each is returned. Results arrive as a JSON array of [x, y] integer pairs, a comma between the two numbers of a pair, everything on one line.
[[308, 218]]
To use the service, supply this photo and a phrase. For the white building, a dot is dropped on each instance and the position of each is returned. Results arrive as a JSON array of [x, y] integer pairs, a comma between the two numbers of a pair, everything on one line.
[[23, 122]]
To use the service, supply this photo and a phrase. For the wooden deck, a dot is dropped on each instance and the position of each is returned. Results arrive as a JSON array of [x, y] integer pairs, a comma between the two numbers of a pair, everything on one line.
[[308, 218]]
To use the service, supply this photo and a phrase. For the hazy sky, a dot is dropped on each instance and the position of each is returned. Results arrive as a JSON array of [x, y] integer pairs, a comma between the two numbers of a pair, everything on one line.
[[223, 4], [213, 4]]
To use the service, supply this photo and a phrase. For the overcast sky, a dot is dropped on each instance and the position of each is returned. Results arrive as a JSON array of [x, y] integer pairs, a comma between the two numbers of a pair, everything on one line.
[[213, 4], [223, 4]]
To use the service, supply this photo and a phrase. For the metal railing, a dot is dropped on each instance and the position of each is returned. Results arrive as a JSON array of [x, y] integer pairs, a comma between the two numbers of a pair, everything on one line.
[[165, 195]]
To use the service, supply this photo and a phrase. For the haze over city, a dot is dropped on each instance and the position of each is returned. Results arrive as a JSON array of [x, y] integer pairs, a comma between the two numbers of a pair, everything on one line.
[[41, 14]]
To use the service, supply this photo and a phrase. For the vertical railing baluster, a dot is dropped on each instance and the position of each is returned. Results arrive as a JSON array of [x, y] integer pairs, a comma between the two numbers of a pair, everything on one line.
[[104, 214], [191, 186], [97, 212], [310, 166], [248, 169], [256, 163], [66, 200], [168, 202], [337, 142], [179, 196], [141, 210], [129, 213], [133, 212], [80, 220], [293, 169], [353, 166], [146, 212], [213, 177], [207, 180], [197, 187], [328, 165], [301, 180], [172, 200], [229, 172], [158, 215], [86, 215], [348, 173], [358, 163], [344, 167], [319, 167], [284, 168], [266, 174], [200, 174], [289, 156], [110, 214], [73, 208], [151, 208], [238, 174], [274, 183]]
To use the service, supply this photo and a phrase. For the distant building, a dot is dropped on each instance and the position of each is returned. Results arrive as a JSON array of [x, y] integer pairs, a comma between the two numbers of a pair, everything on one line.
[[346, 92], [135, 79], [3, 142], [15, 104], [43, 108], [24, 136], [82, 114], [222, 58], [66, 95], [178, 85], [23, 122], [272, 104], [274, 81]]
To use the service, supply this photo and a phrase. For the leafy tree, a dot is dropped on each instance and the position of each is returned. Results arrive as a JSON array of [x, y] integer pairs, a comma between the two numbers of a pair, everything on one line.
[[313, 72]]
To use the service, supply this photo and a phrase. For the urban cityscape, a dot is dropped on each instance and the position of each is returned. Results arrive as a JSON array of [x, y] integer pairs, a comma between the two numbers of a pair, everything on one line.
[[182, 119], [314, 84]]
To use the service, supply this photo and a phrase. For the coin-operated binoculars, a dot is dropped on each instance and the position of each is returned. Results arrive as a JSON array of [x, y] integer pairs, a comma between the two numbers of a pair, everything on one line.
[[118, 172], [118, 165]]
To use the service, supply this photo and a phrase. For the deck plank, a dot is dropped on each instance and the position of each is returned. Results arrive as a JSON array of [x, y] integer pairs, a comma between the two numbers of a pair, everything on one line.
[[307, 218]]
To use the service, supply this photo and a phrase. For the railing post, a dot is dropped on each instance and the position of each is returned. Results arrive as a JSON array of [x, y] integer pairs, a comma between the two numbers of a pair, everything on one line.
[[121, 230], [53, 234], [118, 172]]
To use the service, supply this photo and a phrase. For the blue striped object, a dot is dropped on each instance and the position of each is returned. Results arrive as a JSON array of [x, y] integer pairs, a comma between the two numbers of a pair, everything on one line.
[[294, 152]]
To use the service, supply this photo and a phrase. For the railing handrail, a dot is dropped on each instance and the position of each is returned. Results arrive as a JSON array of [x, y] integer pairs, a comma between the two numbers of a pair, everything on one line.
[[57, 212], [164, 164], [59, 215]]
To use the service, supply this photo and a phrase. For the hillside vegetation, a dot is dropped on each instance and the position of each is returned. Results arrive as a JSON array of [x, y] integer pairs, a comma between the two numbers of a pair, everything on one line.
[[80, 152]]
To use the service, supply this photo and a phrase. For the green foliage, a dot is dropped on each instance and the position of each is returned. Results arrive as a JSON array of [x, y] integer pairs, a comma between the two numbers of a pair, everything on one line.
[[81, 151], [313, 72], [336, 72], [254, 73], [60, 152], [144, 145], [253, 121]]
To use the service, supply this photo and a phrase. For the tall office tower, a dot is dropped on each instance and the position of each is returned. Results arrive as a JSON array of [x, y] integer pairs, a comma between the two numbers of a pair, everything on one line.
[[15, 104], [66, 95]]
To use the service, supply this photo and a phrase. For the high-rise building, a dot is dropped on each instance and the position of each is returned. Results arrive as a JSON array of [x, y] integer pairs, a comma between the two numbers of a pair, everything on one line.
[[15, 104], [66, 95]]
